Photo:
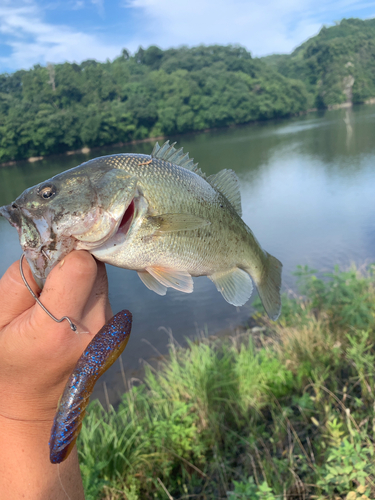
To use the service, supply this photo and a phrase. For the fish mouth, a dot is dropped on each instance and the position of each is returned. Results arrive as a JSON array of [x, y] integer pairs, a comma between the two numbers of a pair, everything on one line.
[[127, 219], [128, 225], [12, 214], [31, 241]]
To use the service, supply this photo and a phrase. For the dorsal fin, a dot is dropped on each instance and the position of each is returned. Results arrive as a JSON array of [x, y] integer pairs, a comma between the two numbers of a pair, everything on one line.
[[176, 156], [226, 181]]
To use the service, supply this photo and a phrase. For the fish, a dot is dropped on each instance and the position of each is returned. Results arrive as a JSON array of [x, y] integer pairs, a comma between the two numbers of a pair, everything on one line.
[[103, 350], [157, 214]]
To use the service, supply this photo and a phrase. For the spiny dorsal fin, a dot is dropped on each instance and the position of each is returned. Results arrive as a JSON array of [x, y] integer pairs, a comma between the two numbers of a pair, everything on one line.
[[176, 156], [226, 181]]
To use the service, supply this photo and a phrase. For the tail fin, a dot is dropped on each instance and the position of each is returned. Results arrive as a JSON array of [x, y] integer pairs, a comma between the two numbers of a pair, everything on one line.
[[269, 287]]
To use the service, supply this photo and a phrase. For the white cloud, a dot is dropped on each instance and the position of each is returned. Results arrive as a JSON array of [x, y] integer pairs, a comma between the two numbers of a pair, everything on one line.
[[100, 6], [79, 4], [32, 40], [263, 27]]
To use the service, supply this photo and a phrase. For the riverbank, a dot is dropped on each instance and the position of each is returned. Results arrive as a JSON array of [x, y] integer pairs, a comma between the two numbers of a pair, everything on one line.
[[86, 150], [285, 413]]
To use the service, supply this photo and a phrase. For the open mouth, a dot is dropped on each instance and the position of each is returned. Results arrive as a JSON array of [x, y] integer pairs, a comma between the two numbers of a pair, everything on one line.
[[126, 219]]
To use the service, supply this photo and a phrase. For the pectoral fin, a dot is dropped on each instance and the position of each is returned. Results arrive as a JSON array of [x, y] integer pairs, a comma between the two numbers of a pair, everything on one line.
[[235, 285], [171, 278], [168, 223]]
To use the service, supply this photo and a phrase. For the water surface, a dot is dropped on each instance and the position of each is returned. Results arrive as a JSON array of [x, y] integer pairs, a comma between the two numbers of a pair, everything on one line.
[[307, 187]]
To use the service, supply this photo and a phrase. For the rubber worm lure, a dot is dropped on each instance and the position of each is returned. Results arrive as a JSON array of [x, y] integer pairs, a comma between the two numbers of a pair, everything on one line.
[[99, 355]]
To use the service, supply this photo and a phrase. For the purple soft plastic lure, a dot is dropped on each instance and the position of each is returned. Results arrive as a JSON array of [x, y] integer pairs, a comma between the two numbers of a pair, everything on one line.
[[99, 355]]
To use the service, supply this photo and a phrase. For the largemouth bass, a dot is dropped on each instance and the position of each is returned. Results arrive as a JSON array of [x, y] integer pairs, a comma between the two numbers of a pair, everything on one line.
[[159, 215]]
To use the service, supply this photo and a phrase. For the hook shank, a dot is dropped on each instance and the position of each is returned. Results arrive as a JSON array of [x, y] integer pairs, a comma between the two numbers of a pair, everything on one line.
[[72, 325]]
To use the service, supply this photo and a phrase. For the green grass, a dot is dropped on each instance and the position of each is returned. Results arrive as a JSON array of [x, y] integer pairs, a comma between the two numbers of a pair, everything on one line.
[[286, 413]]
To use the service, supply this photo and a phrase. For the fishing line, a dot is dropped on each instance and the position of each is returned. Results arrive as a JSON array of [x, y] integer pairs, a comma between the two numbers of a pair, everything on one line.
[[72, 325], [61, 483]]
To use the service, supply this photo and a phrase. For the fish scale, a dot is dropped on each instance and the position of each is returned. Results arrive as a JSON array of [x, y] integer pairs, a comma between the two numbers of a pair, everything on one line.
[[164, 219]]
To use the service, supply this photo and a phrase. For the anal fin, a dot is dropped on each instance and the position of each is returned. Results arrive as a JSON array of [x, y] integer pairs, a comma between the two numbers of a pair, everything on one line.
[[235, 285], [152, 283], [172, 278]]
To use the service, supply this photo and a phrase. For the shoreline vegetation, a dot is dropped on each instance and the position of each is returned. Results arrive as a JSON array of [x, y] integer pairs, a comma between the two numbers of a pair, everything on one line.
[[86, 150], [283, 411], [157, 93]]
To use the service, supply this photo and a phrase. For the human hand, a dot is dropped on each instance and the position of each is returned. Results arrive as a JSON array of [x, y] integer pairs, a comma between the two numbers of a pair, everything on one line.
[[37, 354]]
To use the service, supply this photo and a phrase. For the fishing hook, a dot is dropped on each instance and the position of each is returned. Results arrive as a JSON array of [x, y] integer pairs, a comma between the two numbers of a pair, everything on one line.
[[72, 325]]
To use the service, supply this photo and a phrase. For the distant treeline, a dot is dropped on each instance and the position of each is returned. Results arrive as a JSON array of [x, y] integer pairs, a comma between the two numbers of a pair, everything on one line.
[[336, 66], [63, 107]]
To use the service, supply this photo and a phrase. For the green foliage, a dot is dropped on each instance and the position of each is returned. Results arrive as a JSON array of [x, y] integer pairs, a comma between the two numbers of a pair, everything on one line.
[[53, 109], [287, 414], [93, 481], [348, 466], [337, 65], [67, 106], [345, 297], [249, 491]]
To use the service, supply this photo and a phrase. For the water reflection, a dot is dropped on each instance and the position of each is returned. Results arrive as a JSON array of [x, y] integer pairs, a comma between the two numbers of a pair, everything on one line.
[[307, 189]]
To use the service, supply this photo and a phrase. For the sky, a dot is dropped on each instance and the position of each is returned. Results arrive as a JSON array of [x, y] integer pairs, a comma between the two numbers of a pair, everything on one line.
[[42, 31]]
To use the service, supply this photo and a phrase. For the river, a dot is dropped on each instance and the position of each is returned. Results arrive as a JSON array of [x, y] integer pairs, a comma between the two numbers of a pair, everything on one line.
[[308, 191]]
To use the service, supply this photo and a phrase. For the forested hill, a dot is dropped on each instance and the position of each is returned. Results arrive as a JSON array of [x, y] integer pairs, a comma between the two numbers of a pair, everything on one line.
[[67, 106], [337, 65]]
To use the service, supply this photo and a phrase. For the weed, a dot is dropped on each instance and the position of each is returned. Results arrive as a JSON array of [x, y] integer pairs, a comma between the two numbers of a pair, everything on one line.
[[288, 414]]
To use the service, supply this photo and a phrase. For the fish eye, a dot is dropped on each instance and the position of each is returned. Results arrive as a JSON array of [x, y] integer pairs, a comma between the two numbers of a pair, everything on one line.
[[47, 192]]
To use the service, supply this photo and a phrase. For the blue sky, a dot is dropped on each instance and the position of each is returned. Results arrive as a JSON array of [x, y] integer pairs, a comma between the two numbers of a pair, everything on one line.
[[41, 31]]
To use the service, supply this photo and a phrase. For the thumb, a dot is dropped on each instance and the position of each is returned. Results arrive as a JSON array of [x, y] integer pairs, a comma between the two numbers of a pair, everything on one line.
[[68, 287], [15, 297]]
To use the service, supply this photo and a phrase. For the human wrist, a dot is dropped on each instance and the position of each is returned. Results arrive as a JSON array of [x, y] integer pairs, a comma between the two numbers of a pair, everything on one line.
[[29, 428], [32, 407], [25, 468]]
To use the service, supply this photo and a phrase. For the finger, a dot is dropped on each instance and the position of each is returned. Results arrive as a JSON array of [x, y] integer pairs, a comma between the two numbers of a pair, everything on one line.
[[107, 305], [98, 310], [68, 287], [104, 302], [99, 294], [108, 311], [98, 305], [15, 297]]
